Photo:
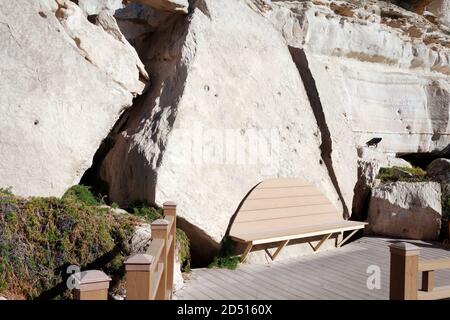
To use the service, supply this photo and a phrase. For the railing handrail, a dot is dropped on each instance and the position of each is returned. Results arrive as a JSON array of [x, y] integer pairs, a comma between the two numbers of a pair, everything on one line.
[[152, 278], [405, 268], [149, 276], [436, 264]]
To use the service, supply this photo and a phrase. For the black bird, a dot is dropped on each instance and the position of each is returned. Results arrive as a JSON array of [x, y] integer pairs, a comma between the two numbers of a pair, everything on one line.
[[373, 142]]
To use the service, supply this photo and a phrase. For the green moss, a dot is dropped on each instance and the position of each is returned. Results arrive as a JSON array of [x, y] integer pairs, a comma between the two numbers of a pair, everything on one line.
[[446, 207], [151, 214], [184, 255], [402, 174], [226, 257], [6, 191], [148, 213], [40, 237], [83, 194]]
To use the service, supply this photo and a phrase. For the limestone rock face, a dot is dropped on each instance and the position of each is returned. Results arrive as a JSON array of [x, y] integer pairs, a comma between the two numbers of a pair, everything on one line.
[[64, 83], [439, 170], [375, 73], [138, 20], [369, 164], [441, 9], [166, 5], [406, 210], [227, 110], [91, 7]]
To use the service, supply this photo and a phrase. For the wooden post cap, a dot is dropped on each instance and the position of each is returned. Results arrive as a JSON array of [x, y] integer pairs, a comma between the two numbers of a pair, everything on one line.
[[91, 280], [404, 249], [160, 224], [139, 262], [169, 204]]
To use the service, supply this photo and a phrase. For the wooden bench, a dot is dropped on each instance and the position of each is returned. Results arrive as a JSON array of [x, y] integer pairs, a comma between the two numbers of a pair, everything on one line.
[[280, 210]]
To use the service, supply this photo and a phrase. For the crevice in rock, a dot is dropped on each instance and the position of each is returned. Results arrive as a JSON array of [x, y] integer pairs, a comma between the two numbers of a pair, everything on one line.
[[423, 159], [202, 248], [91, 177], [130, 170], [361, 196], [301, 62]]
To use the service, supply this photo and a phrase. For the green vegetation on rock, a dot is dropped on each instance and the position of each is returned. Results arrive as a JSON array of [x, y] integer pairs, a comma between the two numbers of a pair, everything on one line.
[[83, 194], [184, 254], [149, 213], [41, 237], [446, 207], [226, 257], [406, 174]]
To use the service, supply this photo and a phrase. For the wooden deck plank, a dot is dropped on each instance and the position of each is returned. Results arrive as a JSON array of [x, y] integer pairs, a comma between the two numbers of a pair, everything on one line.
[[331, 274], [226, 285], [334, 280], [245, 284]]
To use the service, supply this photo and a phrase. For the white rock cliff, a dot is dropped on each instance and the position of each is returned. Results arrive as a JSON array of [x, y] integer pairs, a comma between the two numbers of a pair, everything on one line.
[[64, 83]]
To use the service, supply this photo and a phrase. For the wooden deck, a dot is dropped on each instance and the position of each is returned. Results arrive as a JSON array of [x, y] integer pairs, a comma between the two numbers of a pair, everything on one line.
[[334, 274]]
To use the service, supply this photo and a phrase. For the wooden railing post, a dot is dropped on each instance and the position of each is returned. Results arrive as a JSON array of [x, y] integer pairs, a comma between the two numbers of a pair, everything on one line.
[[91, 285], [160, 230], [170, 209], [404, 271], [139, 277]]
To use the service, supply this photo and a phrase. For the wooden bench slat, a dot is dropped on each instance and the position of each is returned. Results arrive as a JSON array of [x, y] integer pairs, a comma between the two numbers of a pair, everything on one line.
[[256, 215], [285, 202], [282, 183], [298, 232], [267, 225], [271, 193]]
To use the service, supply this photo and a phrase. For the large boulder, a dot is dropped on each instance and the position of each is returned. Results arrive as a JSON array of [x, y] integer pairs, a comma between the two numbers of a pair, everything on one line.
[[369, 164], [227, 110], [439, 170], [340, 75], [407, 210], [64, 83]]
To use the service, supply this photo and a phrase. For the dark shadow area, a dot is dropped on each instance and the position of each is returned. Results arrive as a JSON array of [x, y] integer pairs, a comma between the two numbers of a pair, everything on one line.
[[422, 243], [97, 264], [91, 177], [202, 248], [301, 62], [423, 159]]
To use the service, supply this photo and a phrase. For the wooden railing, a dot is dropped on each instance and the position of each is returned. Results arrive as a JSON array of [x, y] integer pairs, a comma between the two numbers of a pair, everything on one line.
[[404, 277], [149, 276]]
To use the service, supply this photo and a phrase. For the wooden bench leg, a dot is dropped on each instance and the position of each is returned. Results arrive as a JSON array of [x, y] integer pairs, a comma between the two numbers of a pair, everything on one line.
[[280, 247], [247, 251], [321, 242], [340, 244]]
